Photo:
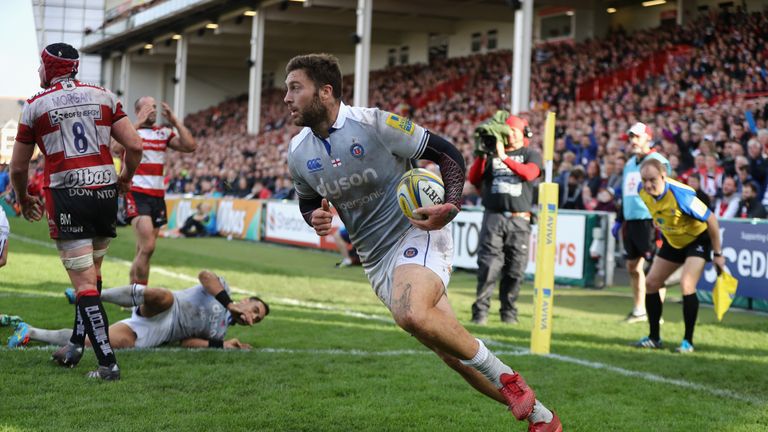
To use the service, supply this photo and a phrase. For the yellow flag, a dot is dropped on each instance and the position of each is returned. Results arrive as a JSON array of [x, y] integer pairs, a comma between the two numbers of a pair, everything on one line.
[[723, 293]]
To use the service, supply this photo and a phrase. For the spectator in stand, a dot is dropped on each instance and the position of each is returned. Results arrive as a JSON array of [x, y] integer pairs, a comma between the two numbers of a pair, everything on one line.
[[574, 199], [712, 178], [285, 189], [750, 206], [762, 138], [594, 179], [727, 205], [606, 199], [612, 175], [757, 163], [728, 158], [583, 145], [699, 167], [743, 175], [695, 184], [241, 189], [258, 191], [739, 134]]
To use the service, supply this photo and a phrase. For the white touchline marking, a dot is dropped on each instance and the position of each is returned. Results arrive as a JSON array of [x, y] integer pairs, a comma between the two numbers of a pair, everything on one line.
[[514, 350], [643, 375], [333, 352]]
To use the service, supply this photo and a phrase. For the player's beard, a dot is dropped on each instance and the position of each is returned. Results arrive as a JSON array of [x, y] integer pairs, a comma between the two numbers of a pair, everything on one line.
[[313, 115]]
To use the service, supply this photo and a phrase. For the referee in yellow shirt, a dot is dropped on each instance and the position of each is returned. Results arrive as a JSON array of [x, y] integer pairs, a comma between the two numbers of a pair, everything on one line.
[[691, 236]]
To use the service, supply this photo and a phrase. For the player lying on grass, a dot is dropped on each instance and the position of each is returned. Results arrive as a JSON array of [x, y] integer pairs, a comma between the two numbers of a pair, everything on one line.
[[198, 317]]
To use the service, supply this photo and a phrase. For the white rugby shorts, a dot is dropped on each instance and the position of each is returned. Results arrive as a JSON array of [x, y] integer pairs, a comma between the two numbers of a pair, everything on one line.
[[431, 249], [154, 331]]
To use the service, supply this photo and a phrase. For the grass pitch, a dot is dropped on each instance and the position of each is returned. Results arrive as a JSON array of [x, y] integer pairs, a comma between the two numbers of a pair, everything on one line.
[[328, 358]]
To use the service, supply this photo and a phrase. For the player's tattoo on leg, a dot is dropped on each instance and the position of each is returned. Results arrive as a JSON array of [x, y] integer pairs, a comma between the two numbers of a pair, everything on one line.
[[403, 304]]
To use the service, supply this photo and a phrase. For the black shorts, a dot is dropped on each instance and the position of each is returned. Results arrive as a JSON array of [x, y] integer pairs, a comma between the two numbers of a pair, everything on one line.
[[639, 239], [139, 204], [701, 247], [80, 213]]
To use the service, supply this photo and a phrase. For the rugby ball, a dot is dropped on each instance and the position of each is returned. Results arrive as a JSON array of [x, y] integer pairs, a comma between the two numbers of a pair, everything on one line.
[[419, 188]]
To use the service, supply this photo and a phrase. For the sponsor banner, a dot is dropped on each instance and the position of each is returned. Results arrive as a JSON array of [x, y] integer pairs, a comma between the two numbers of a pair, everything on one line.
[[745, 247], [284, 224], [287, 229], [466, 238], [179, 209], [228, 217], [569, 248], [239, 218]]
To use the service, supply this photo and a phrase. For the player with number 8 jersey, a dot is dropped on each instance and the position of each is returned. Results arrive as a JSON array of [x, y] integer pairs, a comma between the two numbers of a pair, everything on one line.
[[72, 123]]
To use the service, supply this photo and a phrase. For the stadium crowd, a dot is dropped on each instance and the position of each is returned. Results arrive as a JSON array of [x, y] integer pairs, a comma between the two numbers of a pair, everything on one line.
[[708, 111]]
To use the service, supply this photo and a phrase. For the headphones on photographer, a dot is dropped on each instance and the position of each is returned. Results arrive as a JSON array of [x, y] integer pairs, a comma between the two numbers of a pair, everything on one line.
[[516, 122], [527, 132]]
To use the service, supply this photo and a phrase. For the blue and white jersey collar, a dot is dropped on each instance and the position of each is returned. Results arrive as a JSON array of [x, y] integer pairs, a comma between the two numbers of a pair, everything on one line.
[[341, 117]]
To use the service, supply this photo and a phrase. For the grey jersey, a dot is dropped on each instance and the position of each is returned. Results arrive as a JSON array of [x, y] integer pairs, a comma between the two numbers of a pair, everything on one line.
[[198, 314], [357, 169]]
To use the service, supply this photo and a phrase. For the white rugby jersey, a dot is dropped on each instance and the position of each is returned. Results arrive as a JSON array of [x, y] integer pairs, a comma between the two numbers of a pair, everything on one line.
[[357, 169], [149, 177], [71, 122]]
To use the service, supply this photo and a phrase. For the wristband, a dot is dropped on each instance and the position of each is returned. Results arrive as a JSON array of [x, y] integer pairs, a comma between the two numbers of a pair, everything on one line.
[[216, 343], [223, 298], [717, 254]]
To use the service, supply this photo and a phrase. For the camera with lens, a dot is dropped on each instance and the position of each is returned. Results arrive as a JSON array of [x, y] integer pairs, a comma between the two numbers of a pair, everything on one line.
[[487, 142]]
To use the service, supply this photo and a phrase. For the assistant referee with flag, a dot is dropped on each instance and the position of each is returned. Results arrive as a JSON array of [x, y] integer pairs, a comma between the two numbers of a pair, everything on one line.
[[691, 234]]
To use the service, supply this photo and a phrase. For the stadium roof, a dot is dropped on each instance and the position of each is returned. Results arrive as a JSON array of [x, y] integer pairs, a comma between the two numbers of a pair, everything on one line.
[[309, 25]]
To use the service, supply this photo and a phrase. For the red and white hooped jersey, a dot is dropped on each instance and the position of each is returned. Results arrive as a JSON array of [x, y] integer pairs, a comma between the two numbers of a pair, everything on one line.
[[149, 177], [71, 122]]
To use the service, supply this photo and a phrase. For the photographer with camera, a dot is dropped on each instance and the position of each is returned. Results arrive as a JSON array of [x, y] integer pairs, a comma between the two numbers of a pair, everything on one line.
[[503, 172]]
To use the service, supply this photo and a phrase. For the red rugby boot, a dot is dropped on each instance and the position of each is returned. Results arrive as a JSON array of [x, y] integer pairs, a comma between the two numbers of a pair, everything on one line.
[[519, 396]]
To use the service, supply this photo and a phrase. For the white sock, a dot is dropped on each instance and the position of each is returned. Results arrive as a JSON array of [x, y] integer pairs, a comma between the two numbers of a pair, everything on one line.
[[540, 413], [126, 296], [53, 337], [488, 364], [638, 311]]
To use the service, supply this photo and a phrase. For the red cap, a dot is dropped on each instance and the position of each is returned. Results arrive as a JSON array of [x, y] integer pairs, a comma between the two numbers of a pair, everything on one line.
[[518, 123]]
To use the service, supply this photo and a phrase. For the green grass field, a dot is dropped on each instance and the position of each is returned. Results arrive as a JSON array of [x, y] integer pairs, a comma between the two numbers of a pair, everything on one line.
[[328, 358]]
